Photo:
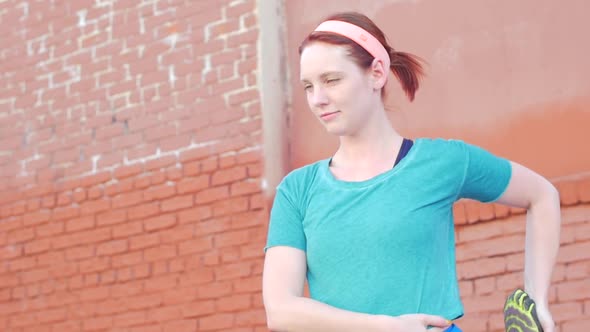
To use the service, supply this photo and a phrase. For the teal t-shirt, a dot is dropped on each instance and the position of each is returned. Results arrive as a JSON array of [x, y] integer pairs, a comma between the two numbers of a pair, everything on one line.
[[386, 245]]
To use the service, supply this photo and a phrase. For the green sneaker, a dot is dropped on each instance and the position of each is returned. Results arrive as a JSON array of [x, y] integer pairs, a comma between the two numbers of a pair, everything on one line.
[[520, 314]]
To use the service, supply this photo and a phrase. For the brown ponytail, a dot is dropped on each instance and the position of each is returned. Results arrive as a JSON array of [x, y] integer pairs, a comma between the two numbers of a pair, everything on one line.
[[408, 70]]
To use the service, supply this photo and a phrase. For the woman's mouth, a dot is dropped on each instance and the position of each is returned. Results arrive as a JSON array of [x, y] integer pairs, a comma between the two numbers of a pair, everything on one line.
[[329, 115]]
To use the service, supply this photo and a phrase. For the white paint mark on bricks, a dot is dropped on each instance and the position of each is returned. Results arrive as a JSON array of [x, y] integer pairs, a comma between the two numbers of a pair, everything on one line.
[[95, 160], [171, 76], [82, 18]]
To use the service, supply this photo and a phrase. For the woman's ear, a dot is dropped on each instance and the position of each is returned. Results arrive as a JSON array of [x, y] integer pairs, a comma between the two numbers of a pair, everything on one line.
[[378, 74]]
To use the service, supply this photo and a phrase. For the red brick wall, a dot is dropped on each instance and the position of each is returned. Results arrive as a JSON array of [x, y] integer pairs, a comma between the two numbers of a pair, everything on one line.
[[130, 164], [130, 171]]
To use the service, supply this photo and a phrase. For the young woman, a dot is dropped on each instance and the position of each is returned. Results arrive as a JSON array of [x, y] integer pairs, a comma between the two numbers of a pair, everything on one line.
[[371, 228]]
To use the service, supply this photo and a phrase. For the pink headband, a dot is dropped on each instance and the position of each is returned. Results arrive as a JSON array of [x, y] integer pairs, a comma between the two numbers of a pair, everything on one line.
[[360, 36]]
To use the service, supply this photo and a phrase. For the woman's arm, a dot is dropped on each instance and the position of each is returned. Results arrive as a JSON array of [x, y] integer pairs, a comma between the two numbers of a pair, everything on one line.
[[288, 310], [531, 191]]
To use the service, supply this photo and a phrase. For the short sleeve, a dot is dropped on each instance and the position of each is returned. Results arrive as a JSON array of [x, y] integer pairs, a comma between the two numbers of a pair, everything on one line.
[[486, 176], [285, 225]]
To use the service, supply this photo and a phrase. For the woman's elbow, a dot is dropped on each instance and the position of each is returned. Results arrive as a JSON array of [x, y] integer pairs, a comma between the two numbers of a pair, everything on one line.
[[274, 315]]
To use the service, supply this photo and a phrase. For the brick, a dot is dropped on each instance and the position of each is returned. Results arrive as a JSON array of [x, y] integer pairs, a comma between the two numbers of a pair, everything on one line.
[[199, 308], [193, 184], [130, 319], [37, 246], [21, 235], [94, 264], [582, 231], [245, 188], [21, 264], [53, 315], [576, 326], [111, 217], [161, 252], [568, 193], [213, 226], [484, 303], [9, 280], [175, 142], [95, 192], [174, 173], [215, 322], [212, 194], [144, 301], [574, 252], [491, 247], [177, 203], [159, 192], [94, 207], [198, 245], [78, 224], [233, 271], [177, 234], [583, 187], [485, 285], [252, 284], [159, 132], [232, 238], [67, 212], [22, 320], [64, 198], [144, 241], [143, 211], [234, 303], [248, 219], [36, 218], [573, 290], [562, 312], [50, 229], [481, 267], [156, 284], [160, 222], [578, 270], [164, 314], [127, 199], [510, 281], [97, 323], [178, 295], [128, 229], [112, 247], [251, 251], [251, 317], [158, 177], [258, 202], [195, 154], [183, 325], [85, 237], [127, 259]]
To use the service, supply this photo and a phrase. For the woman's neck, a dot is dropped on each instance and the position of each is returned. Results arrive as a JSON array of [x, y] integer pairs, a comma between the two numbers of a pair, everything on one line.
[[375, 143]]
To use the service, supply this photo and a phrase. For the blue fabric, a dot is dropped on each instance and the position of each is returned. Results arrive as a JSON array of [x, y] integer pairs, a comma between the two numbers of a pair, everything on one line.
[[386, 245], [453, 328], [403, 150]]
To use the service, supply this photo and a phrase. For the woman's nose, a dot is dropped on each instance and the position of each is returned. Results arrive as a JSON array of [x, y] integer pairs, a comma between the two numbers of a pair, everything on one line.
[[319, 97]]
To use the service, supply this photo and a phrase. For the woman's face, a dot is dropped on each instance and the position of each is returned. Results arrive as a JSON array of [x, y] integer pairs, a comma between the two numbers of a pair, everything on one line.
[[339, 93]]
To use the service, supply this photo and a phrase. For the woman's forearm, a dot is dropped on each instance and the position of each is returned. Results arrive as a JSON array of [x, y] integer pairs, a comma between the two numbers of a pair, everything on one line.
[[542, 243], [305, 314]]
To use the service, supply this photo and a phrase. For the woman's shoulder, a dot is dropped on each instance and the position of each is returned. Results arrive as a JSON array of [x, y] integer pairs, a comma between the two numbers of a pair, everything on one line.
[[303, 175], [438, 146]]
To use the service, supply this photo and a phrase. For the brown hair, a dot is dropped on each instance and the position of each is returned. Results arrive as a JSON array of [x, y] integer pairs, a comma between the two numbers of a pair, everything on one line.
[[405, 66]]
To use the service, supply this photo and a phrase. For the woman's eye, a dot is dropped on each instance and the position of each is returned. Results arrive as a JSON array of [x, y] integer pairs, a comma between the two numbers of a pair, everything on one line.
[[332, 80]]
